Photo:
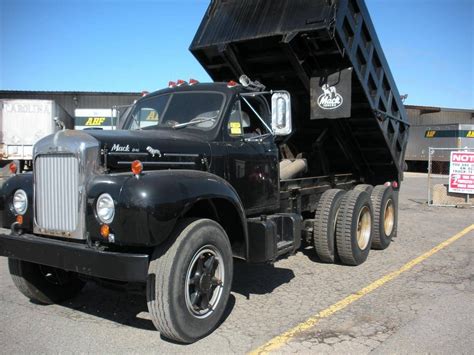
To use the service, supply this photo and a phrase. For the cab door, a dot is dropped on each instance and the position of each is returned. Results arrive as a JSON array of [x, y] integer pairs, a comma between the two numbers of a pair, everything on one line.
[[252, 163]]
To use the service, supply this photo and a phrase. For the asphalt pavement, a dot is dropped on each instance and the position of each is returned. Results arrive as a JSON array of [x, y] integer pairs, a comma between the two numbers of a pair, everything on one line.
[[426, 309]]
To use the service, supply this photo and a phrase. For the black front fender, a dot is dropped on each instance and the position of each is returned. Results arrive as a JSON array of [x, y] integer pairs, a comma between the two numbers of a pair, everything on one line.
[[7, 190], [148, 207]]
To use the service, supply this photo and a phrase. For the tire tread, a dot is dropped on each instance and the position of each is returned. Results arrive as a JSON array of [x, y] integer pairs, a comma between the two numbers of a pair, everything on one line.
[[377, 197], [321, 225], [344, 228]]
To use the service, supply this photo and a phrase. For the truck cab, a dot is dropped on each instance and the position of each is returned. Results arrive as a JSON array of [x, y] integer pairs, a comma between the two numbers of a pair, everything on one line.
[[226, 124]]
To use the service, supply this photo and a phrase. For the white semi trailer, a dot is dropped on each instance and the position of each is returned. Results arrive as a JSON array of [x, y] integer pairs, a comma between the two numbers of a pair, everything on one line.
[[22, 124]]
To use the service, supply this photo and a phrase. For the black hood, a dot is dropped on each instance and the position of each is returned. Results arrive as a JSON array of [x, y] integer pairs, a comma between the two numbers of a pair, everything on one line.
[[156, 149]]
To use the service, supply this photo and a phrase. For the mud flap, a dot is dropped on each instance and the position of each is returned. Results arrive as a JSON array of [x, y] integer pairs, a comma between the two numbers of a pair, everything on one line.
[[331, 95]]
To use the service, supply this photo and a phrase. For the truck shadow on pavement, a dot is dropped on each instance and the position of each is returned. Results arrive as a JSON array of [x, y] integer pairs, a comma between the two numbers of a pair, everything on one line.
[[258, 279], [129, 308]]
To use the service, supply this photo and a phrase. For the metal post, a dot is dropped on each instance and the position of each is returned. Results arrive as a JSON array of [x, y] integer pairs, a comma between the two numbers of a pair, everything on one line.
[[429, 175]]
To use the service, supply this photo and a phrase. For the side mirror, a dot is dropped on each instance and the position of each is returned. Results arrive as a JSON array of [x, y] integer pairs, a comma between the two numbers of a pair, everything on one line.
[[281, 113]]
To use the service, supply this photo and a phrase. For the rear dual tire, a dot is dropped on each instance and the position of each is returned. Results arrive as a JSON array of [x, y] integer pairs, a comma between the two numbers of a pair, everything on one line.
[[354, 228], [364, 187], [324, 237], [343, 226], [385, 202]]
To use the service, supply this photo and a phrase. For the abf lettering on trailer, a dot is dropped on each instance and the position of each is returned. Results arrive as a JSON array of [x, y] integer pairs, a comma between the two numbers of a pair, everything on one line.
[[461, 172]]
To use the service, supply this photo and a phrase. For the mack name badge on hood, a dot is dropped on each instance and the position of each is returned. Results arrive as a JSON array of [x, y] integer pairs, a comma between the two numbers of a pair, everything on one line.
[[331, 95]]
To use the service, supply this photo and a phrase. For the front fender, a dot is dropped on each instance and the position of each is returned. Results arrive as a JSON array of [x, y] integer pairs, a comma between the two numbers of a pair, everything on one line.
[[148, 207], [20, 181]]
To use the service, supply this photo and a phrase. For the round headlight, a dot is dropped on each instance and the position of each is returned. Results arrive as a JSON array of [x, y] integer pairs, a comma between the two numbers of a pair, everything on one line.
[[20, 202], [105, 208]]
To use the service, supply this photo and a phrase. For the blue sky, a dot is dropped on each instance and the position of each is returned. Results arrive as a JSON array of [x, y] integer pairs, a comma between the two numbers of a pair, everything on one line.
[[116, 45]]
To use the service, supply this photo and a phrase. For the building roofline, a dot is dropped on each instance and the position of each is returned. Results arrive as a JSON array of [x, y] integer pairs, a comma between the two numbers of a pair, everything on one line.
[[425, 109], [433, 109]]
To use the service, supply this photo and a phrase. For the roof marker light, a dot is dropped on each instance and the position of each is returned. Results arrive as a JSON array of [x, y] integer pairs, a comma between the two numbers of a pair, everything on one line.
[[171, 84], [193, 82], [144, 93], [232, 84], [181, 82]]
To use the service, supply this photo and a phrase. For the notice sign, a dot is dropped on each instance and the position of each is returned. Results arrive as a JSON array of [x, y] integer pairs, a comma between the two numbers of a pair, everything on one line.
[[461, 173]]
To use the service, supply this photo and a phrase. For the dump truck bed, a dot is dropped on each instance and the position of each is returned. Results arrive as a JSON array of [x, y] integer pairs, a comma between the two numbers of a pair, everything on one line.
[[293, 45]]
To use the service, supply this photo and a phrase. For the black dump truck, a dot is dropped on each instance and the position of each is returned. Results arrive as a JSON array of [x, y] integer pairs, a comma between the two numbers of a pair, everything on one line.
[[299, 141]]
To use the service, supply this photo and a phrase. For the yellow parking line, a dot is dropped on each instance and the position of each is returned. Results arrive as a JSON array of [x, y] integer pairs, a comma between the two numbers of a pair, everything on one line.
[[284, 338]]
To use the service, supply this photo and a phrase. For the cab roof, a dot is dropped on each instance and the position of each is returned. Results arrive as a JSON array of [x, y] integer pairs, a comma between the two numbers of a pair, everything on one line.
[[211, 87]]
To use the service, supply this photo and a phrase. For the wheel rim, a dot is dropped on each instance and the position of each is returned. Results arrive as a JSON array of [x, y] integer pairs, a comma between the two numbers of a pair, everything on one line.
[[364, 227], [204, 282], [389, 218]]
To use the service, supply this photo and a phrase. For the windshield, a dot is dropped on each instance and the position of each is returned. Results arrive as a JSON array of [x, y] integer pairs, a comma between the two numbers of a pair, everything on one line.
[[198, 110]]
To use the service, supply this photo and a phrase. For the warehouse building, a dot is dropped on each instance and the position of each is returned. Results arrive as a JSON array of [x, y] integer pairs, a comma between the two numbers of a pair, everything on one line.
[[89, 109], [104, 109], [424, 115], [435, 127], [72, 100]]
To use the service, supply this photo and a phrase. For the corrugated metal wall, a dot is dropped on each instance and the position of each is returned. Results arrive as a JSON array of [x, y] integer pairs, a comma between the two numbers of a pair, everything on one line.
[[420, 115], [417, 115], [72, 100]]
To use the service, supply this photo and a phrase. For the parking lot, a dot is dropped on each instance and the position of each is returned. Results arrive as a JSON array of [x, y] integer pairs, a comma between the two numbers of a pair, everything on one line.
[[426, 308]]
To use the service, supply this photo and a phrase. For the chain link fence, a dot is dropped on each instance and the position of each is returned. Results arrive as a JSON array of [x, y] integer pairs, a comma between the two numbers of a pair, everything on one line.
[[438, 179]]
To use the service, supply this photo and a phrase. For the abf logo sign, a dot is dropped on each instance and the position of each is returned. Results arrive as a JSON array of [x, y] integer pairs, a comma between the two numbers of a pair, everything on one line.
[[430, 134], [95, 121]]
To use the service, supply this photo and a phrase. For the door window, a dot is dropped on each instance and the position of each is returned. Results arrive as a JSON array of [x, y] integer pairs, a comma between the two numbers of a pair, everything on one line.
[[244, 120]]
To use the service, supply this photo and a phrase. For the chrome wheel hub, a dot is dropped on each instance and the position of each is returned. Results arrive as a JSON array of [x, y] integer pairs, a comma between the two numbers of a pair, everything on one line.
[[204, 282], [364, 228], [389, 218]]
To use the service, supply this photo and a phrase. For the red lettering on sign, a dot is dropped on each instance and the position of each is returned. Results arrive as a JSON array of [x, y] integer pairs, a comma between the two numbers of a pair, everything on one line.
[[463, 158]]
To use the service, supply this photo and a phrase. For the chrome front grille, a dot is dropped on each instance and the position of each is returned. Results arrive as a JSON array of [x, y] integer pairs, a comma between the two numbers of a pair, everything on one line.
[[57, 193]]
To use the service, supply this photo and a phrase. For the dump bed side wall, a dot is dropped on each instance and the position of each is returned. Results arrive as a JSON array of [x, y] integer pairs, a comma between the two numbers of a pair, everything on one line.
[[361, 44], [285, 43]]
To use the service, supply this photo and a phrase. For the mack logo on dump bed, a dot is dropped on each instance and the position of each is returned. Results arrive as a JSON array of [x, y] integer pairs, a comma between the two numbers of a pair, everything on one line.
[[331, 95], [330, 99]]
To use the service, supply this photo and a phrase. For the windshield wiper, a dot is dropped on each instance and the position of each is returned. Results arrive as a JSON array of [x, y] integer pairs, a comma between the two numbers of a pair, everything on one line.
[[194, 121]]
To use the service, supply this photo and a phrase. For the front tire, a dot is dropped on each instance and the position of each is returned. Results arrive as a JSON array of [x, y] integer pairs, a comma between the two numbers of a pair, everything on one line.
[[189, 281], [44, 284]]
